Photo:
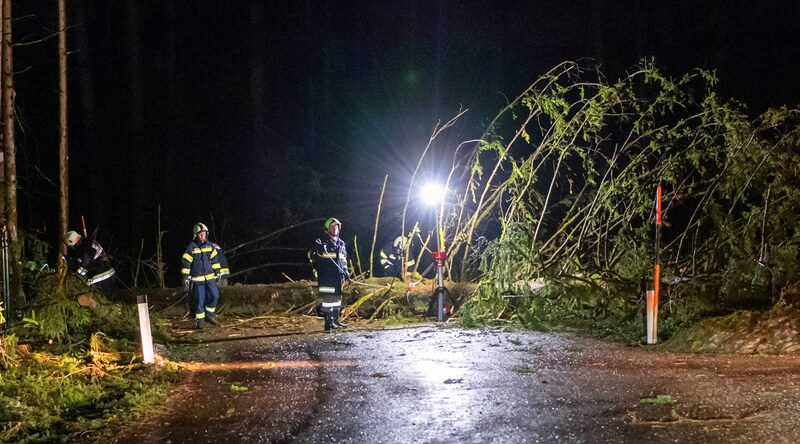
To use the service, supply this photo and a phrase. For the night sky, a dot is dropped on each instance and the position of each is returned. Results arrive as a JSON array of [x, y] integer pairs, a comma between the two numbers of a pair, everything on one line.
[[252, 116]]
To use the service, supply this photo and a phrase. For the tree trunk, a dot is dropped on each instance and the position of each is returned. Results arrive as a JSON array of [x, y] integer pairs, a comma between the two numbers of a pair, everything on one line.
[[63, 155], [2, 123], [10, 157]]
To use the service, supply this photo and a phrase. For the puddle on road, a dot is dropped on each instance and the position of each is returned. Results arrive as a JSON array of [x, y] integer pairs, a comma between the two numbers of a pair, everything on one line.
[[258, 365]]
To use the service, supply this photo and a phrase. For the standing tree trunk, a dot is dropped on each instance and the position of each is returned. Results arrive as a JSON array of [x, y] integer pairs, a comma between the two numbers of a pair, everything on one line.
[[10, 158], [2, 122], [63, 155]]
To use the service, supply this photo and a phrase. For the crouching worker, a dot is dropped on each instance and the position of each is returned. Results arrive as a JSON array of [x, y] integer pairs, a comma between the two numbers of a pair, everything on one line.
[[393, 256], [86, 258], [329, 257], [201, 271]]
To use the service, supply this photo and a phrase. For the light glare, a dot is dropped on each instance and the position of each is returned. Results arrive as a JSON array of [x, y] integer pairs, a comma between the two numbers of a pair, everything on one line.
[[432, 193]]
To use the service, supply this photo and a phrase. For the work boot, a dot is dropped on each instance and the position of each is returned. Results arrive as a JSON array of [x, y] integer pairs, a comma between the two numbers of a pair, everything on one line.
[[336, 323], [328, 321], [198, 324], [212, 319]]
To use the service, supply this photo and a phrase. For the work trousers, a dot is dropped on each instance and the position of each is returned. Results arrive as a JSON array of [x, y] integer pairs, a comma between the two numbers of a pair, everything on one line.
[[206, 296]]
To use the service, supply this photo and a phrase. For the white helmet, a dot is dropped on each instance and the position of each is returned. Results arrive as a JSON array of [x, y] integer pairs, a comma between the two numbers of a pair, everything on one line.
[[399, 242], [200, 227], [72, 238]]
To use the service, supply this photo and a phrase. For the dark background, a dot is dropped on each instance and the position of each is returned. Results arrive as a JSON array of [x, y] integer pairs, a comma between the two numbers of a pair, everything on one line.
[[253, 116]]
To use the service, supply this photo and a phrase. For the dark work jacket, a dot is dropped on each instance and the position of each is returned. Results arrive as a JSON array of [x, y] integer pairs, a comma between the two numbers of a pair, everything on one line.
[[329, 257], [200, 261], [224, 271], [392, 261], [89, 260]]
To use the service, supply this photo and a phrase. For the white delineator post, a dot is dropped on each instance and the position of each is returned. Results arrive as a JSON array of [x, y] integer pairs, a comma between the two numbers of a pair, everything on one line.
[[652, 293], [144, 328], [439, 257], [651, 316]]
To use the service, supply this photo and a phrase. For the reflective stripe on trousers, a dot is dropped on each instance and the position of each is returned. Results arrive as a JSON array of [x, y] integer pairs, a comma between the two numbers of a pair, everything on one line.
[[206, 296]]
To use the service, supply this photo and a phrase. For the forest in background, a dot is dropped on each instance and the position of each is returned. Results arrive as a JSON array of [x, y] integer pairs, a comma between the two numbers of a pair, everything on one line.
[[297, 112]]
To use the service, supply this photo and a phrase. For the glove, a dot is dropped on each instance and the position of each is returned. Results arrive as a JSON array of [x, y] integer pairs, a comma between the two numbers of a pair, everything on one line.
[[187, 283], [217, 277]]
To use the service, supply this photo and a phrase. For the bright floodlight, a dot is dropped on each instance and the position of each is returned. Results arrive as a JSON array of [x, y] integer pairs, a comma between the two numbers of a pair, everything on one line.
[[432, 193]]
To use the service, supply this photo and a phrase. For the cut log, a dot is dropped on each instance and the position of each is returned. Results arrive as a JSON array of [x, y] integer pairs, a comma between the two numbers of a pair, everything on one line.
[[87, 300]]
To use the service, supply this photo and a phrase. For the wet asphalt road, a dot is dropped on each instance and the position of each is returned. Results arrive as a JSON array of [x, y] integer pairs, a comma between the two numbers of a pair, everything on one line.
[[432, 384]]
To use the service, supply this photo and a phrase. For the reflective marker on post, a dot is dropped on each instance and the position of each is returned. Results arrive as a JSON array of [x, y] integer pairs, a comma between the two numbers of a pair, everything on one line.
[[439, 257], [652, 317], [144, 328], [656, 286]]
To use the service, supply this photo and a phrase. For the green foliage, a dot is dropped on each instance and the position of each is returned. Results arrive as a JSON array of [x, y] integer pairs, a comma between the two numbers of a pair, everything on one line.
[[58, 316], [686, 309], [55, 391], [54, 398], [238, 388], [571, 188], [484, 307], [8, 352], [54, 313], [659, 399], [35, 251]]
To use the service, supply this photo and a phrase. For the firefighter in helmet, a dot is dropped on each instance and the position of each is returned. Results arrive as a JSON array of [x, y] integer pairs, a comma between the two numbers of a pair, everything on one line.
[[329, 257], [88, 259], [201, 272], [393, 255]]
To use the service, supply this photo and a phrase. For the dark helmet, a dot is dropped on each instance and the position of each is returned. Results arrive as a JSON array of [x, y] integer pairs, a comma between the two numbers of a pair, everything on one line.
[[198, 227], [331, 221]]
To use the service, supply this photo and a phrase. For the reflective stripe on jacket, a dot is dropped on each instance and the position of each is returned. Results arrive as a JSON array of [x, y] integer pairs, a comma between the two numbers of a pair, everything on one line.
[[223, 261], [90, 261], [329, 257], [200, 261], [391, 260]]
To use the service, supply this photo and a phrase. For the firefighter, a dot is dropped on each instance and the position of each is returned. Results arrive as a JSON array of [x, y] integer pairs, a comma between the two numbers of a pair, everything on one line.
[[393, 255], [201, 272], [329, 257], [224, 271], [87, 258]]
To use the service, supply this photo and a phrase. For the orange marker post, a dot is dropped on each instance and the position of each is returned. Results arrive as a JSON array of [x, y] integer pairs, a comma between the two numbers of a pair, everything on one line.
[[83, 222]]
